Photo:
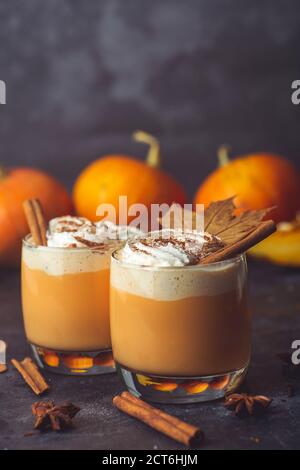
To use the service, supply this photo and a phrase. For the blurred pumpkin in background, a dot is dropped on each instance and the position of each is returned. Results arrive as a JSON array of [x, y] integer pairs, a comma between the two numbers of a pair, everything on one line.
[[16, 185], [282, 247], [111, 176], [259, 180]]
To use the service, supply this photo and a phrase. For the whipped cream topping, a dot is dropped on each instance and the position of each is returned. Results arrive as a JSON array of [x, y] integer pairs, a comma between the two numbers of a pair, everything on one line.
[[170, 248], [109, 230], [76, 232], [73, 232]]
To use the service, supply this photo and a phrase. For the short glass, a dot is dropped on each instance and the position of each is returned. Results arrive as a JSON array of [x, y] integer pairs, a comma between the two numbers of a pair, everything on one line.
[[65, 300], [180, 334]]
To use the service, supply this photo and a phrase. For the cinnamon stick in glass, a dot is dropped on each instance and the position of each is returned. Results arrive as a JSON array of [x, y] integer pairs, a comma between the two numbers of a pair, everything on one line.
[[36, 221]]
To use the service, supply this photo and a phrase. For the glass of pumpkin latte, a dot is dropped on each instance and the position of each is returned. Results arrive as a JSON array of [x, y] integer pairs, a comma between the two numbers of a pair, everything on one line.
[[65, 295], [180, 329]]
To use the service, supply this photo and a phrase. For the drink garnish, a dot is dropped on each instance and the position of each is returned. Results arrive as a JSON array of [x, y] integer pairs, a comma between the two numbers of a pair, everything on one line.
[[158, 419], [32, 376], [244, 404], [49, 416], [237, 233], [36, 221]]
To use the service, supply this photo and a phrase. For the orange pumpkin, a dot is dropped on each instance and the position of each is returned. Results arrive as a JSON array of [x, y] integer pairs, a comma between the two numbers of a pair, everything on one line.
[[259, 180], [111, 176], [282, 247], [19, 184]]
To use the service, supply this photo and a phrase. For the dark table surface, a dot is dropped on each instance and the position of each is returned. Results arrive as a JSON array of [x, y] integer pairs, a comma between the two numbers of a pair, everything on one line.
[[275, 301]]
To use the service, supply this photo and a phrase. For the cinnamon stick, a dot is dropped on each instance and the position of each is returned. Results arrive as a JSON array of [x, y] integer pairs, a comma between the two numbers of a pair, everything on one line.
[[40, 219], [186, 427], [158, 419], [36, 220], [31, 375], [263, 230]]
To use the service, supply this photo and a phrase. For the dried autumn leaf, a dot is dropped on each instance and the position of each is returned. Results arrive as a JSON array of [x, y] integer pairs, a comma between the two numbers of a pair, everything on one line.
[[220, 220], [240, 226], [237, 233], [218, 215]]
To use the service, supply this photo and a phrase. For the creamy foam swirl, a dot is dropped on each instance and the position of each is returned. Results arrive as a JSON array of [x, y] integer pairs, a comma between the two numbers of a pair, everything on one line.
[[73, 232], [77, 232], [109, 230], [170, 248]]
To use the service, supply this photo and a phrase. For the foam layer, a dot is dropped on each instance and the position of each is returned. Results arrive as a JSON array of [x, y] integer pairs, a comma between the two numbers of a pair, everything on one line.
[[72, 232], [75, 244], [181, 282], [170, 248], [57, 262], [109, 230]]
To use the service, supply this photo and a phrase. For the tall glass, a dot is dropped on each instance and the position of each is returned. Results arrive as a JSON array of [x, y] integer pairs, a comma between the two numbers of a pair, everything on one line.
[[180, 334], [65, 299]]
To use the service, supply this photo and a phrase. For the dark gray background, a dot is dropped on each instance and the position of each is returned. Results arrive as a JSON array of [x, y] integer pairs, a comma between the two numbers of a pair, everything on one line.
[[82, 75]]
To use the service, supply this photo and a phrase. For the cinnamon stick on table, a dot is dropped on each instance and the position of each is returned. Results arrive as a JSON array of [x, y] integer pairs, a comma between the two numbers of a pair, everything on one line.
[[263, 230], [158, 419], [31, 375], [36, 221]]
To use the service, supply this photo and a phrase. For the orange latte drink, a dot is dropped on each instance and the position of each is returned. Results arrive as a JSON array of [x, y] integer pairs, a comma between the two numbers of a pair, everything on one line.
[[180, 330], [65, 296]]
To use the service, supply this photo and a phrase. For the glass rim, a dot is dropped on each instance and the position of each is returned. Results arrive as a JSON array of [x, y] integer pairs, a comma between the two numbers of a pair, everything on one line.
[[223, 263], [31, 246]]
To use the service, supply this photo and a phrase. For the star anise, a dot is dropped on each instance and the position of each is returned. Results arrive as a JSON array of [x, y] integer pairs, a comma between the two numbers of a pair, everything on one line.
[[51, 416], [244, 404]]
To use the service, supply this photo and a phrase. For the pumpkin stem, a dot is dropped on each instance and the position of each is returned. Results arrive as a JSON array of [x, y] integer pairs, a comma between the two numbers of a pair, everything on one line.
[[223, 154], [153, 157]]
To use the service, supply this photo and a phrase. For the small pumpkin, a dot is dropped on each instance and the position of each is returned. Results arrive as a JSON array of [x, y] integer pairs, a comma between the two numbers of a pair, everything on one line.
[[282, 247], [16, 185], [258, 180], [111, 176]]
